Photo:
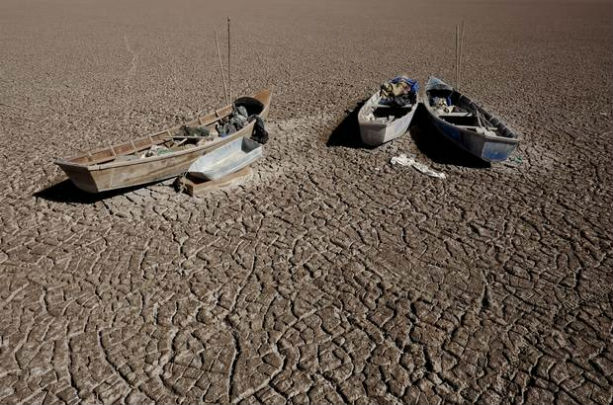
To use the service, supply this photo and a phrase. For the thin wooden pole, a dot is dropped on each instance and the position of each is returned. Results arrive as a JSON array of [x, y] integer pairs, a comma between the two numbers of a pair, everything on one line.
[[457, 56], [461, 50], [229, 70], [223, 79]]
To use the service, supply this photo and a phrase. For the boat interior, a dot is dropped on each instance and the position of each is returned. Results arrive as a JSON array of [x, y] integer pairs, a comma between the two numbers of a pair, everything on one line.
[[231, 153], [453, 108], [382, 111], [384, 114], [170, 140]]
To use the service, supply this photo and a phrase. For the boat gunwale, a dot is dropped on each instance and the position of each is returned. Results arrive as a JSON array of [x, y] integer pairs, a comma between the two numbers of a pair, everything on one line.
[[497, 138], [264, 96], [165, 156]]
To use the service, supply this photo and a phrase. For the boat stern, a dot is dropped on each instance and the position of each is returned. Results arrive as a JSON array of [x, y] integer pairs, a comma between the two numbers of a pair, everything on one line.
[[79, 175], [497, 151], [264, 97]]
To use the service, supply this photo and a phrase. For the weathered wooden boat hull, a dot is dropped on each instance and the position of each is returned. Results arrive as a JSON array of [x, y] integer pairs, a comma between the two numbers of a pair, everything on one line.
[[150, 171], [97, 172], [493, 146], [375, 133]]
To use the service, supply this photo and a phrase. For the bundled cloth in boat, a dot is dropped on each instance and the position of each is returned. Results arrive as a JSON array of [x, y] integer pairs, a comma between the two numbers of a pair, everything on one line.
[[233, 122], [399, 91], [193, 131], [437, 84], [156, 150], [238, 119]]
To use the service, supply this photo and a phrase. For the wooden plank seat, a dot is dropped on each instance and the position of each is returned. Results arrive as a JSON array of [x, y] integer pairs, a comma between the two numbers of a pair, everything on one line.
[[456, 114]]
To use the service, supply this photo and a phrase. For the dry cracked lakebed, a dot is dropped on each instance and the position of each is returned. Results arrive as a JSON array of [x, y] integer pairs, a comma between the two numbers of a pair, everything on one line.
[[329, 275]]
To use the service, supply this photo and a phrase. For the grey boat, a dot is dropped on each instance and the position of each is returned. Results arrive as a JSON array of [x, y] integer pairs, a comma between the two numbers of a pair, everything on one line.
[[380, 123], [468, 125], [227, 159]]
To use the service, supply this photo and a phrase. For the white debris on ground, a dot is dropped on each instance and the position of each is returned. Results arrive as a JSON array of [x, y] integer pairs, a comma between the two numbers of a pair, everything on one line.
[[405, 160]]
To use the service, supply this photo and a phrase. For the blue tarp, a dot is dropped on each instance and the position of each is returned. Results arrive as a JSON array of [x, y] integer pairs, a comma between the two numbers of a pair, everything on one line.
[[437, 84]]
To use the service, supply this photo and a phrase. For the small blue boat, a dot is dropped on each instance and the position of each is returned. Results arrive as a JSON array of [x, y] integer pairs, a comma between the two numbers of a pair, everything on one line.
[[468, 125], [227, 159]]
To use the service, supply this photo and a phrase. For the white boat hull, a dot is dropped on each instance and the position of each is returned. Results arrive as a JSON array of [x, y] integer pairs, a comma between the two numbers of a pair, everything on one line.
[[374, 133], [227, 159]]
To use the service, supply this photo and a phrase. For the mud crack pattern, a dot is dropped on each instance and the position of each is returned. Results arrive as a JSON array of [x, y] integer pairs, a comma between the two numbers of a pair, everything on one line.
[[329, 276]]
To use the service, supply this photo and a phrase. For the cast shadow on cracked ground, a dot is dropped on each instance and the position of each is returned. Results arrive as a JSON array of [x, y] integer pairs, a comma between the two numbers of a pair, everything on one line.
[[66, 192], [347, 132], [426, 137], [436, 147]]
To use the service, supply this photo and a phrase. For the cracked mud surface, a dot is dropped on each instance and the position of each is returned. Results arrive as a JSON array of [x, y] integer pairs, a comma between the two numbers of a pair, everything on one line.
[[329, 276]]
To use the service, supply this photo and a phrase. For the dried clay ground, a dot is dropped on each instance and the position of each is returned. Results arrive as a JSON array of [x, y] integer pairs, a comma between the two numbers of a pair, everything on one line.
[[328, 275]]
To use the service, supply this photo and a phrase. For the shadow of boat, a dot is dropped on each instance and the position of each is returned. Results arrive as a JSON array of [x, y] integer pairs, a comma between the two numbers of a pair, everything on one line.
[[66, 192], [436, 147], [347, 132]]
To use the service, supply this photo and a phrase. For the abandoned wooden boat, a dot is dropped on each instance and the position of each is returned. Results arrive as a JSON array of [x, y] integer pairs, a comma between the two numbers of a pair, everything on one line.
[[468, 125], [227, 159], [162, 155], [380, 123]]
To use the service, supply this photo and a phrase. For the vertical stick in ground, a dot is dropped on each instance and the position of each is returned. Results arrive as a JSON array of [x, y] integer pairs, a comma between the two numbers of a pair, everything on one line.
[[223, 79], [229, 70], [457, 53], [461, 50]]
